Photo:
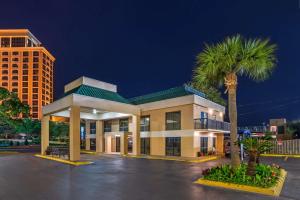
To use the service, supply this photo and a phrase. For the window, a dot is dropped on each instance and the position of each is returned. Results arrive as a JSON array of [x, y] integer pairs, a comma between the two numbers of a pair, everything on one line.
[[15, 59], [25, 72], [214, 139], [25, 60], [4, 71], [173, 120], [25, 90], [15, 90], [35, 103], [123, 125], [107, 126], [5, 42], [4, 65], [35, 90], [35, 59], [15, 53], [24, 96], [25, 84], [18, 42], [14, 65], [25, 53], [25, 66], [5, 78], [35, 96], [204, 145], [145, 123], [5, 59], [35, 115], [14, 71], [25, 78], [35, 78], [4, 53], [5, 84], [35, 53], [35, 72], [15, 84], [15, 78], [35, 84], [35, 109], [35, 65]]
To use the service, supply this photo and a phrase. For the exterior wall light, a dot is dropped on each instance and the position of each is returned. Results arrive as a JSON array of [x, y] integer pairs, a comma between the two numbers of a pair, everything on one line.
[[94, 111]]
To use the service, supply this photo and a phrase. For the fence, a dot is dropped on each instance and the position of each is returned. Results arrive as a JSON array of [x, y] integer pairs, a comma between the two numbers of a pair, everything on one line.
[[286, 147]]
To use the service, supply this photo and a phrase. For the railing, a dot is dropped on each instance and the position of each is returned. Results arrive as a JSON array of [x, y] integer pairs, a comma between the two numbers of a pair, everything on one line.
[[205, 123], [254, 129]]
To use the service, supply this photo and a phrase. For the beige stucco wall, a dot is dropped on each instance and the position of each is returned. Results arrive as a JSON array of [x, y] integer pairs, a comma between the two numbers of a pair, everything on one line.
[[158, 117], [187, 147], [157, 146]]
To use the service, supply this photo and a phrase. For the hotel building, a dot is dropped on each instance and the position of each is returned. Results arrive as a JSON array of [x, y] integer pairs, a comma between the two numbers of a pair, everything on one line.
[[179, 121], [26, 68]]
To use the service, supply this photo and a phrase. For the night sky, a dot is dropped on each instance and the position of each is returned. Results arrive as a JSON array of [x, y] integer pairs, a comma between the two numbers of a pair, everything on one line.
[[147, 46]]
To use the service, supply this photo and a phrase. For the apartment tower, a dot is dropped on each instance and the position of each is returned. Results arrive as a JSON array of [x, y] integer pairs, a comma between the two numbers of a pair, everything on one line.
[[26, 68]]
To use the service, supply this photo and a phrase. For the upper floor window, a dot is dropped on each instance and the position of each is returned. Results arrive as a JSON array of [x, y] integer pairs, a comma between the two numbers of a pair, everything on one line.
[[5, 42], [107, 126], [5, 53], [25, 53], [173, 120], [145, 123], [203, 115], [123, 125], [18, 42]]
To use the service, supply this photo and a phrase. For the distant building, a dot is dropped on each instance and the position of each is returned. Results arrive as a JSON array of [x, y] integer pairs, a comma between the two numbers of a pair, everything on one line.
[[26, 68], [278, 126]]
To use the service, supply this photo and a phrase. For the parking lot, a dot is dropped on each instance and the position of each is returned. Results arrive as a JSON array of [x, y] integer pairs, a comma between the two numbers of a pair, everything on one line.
[[23, 176]]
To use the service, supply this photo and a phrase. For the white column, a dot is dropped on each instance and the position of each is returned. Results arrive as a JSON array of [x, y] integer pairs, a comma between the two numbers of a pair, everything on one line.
[[99, 136], [136, 137], [74, 134], [45, 134], [124, 144], [87, 135]]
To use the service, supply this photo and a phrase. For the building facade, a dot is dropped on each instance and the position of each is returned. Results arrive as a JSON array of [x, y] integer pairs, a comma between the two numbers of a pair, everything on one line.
[[26, 68], [175, 122]]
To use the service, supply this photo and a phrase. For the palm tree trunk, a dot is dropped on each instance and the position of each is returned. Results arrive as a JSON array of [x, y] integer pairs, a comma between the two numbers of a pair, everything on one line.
[[231, 84], [252, 162]]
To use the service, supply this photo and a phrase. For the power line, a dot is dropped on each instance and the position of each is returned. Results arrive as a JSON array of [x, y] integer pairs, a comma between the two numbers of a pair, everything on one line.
[[268, 101], [273, 107]]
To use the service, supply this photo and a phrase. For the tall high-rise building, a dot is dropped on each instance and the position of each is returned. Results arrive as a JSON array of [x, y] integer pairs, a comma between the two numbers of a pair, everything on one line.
[[26, 67]]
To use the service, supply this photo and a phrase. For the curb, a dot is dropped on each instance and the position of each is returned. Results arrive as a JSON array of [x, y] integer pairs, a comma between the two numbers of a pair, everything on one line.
[[74, 163], [272, 191]]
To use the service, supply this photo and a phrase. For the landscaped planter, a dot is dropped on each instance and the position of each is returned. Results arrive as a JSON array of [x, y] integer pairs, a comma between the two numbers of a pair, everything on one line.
[[273, 190]]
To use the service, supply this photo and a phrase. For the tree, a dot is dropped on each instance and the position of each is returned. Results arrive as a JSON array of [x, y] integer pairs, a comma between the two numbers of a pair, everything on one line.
[[28, 126], [254, 147], [220, 65], [11, 109]]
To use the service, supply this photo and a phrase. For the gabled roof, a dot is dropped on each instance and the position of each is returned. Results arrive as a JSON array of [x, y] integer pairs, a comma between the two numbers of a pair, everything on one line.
[[166, 94], [90, 91]]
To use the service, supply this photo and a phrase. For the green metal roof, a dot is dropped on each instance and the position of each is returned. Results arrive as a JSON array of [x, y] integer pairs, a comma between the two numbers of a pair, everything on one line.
[[97, 93], [166, 94]]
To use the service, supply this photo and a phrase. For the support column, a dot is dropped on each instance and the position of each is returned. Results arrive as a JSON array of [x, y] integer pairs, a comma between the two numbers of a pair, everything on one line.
[[74, 134], [99, 137], [87, 135], [136, 137], [124, 144], [45, 134]]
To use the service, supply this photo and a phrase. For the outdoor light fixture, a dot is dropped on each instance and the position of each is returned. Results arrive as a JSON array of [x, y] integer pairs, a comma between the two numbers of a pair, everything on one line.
[[210, 111], [94, 111], [221, 114]]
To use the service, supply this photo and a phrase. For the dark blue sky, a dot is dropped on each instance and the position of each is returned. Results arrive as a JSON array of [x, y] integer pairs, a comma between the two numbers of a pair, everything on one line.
[[146, 46]]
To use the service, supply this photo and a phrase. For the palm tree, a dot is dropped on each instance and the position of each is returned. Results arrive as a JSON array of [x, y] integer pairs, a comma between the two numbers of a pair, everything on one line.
[[221, 64]]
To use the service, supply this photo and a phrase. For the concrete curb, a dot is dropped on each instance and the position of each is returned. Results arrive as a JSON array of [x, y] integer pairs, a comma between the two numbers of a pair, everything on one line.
[[74, 163], [272, 191]]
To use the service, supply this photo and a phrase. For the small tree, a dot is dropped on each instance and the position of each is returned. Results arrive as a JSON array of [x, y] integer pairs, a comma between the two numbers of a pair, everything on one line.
[[254, 147]]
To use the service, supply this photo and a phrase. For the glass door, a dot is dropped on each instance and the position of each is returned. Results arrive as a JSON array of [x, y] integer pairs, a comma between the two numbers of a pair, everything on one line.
[[173, 146], [204, 145], [145, 146]]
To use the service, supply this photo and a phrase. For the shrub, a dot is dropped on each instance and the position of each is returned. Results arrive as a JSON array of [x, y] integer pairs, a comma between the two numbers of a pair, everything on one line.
[[26, 142], [265, 175]]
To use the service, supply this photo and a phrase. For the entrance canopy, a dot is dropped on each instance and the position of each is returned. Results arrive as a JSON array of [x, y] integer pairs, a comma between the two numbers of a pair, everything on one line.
[[90, 99], [97, 101]]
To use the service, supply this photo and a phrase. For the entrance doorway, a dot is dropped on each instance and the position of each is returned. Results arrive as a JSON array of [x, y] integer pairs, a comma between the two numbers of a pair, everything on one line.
[[145, 146], [118, 143], [129, 144], [173, 146], [204, 145]]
